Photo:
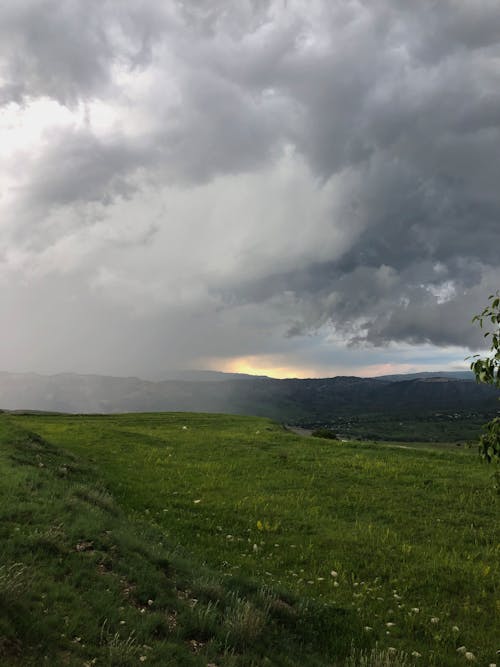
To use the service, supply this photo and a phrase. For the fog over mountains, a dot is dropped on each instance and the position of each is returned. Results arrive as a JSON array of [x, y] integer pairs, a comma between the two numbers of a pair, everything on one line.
[[287, 399]]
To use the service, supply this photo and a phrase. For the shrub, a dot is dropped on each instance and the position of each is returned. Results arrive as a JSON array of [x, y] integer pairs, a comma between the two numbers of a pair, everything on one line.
[[324, 433], [487, 370]]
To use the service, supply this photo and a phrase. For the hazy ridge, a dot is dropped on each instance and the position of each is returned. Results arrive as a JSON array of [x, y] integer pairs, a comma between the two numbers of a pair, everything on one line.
[[306, 399]]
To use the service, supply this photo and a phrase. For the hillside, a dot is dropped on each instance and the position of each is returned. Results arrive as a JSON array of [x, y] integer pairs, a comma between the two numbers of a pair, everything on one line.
[[285, 400], [196, 540], [84, 583]]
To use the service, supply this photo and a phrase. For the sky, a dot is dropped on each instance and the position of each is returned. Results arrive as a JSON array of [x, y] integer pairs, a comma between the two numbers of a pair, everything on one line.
[[297, 188]]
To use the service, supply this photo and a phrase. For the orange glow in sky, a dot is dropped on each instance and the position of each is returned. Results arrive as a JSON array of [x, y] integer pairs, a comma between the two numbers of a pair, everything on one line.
[[276, 367], [262, 365]]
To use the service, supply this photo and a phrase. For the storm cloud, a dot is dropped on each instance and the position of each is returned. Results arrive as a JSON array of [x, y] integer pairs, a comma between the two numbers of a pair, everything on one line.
[[189, 183]]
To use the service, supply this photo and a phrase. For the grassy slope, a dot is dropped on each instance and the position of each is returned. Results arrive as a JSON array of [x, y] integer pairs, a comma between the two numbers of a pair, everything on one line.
[[83, 584], [405, 529]]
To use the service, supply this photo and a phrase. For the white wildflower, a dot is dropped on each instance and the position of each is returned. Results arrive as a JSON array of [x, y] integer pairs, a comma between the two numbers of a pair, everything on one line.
[[470, 656], [334, 574], [461, 649], [416, 654], [434, 620]]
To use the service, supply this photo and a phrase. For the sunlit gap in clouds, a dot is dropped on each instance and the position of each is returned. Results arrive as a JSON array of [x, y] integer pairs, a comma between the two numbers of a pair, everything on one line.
[[275, 367]]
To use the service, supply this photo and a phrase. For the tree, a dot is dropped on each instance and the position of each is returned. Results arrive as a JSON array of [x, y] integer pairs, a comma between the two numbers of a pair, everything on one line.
[[487, 370]]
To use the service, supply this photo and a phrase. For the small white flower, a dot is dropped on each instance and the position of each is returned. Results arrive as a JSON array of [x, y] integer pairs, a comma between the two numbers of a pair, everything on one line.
[[391, 650], [416, 654], [415, 610], [198, 500], [455, 628], [470, 656], [390, 624], [461, 649], [184, 428], [336, 583], [368, 628], [255, 548], [434, 620], [334, 574], [492, 664]]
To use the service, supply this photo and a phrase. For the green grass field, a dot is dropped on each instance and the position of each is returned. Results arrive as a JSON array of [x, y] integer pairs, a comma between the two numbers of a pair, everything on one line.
[[298, 551]]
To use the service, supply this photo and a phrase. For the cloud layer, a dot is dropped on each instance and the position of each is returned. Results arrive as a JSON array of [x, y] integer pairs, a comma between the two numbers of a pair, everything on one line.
[[307, 183]]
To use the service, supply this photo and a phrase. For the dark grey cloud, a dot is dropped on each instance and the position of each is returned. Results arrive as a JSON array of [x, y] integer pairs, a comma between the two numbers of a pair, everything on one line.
[[407, 96], [220, 128], [65, 50], [283, 168], [54, 49]]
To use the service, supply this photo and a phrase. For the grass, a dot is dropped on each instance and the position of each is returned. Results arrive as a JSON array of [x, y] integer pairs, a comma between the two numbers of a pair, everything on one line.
[[295, 551], [83, 583]]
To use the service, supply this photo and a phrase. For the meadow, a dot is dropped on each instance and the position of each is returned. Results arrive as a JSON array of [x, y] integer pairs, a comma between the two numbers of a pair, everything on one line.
[[242, 544]]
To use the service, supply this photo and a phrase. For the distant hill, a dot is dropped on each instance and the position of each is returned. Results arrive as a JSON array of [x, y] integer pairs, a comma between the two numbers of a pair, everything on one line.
[[452, 375], [286, 400]]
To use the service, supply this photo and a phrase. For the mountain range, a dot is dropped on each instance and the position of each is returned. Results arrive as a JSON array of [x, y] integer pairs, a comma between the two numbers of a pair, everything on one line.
[[286, 400]]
